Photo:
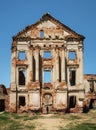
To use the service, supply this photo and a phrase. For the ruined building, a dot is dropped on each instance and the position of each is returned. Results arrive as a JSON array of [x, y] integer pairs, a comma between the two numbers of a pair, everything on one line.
[[4, 98], [90, 91], [47, 68]]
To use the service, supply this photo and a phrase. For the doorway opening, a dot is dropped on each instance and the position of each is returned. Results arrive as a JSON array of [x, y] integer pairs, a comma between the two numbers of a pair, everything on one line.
[[2, 105], [21, 101], [91, 104], [47, 101], [72, 101]]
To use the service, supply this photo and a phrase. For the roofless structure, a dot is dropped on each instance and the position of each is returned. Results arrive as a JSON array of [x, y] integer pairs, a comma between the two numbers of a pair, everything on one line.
[[47, 68]]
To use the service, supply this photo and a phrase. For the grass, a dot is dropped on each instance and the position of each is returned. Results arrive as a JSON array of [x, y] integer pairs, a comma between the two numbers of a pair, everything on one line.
[[25, 121], [13, 121], [84, 126]]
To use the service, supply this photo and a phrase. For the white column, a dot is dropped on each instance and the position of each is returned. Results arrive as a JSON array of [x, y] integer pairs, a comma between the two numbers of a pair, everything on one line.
[[63, 66], [30, 61], [57, 64], [13, 67], [53, 72], [37, 64], [68, 75], [81, 64]]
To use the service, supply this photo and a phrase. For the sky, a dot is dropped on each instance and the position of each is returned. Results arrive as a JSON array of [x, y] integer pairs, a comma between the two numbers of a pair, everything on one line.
[[15, 15]]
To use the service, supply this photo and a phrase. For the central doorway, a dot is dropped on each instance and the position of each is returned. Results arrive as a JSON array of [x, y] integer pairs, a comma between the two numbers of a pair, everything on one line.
[[47, 103]]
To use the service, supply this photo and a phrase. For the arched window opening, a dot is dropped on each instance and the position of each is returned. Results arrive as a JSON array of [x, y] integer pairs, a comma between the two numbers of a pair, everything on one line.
[[22, 76]]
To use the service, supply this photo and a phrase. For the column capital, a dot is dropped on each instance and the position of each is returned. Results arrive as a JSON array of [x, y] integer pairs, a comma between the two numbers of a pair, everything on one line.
[[37, 48], [30, 47], [80, 48]]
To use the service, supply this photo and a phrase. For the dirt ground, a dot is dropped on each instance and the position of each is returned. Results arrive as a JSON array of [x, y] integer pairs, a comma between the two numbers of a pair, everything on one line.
[[49, 123]]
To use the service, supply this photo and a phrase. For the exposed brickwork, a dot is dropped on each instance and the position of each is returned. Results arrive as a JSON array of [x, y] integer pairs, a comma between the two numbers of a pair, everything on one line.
[[66, 89]]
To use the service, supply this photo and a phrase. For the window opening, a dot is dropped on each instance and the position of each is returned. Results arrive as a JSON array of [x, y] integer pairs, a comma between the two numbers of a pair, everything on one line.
[[72, 55], [91, 105], [22, 77], [72, 101], [22, 55], [47, 54], [41, 34], [47, 76], [91, 86], [21, 101], [72, 77]]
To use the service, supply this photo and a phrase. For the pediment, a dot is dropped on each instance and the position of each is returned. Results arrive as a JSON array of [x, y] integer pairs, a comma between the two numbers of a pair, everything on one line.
[[47, 24], [52, 25]]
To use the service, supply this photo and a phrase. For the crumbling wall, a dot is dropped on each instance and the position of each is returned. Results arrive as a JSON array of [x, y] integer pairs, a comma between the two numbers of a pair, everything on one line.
[[29, 91]]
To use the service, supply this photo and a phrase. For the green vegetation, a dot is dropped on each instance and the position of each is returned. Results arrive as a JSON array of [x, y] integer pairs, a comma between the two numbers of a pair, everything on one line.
[[84, 126], [26, 121], [13, 121]]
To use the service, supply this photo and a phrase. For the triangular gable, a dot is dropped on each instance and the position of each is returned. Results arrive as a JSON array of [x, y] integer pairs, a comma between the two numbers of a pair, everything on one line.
[[48, 21]]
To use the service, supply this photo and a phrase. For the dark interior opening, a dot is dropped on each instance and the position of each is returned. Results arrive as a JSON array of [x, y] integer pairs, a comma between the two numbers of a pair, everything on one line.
[[72, 78], [2, 105], [72, 102], [21, 77], [21, 101], [91, 86], [91, 104]]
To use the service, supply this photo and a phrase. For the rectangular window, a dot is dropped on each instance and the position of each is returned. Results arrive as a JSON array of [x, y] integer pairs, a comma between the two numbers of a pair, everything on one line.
[[22, 76], [41, 34], [72, 77], [91, 86], [47, 76], [47, 54], [22, 55], [72, 55]]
